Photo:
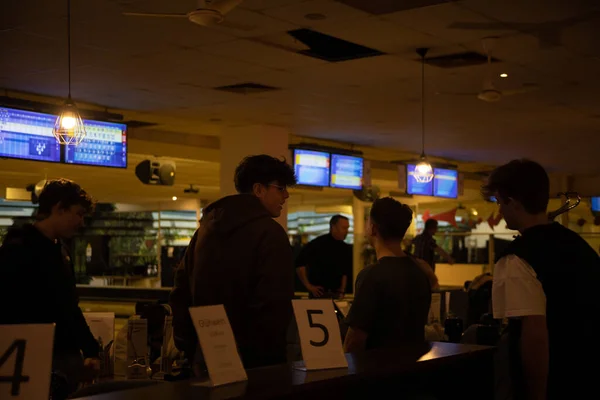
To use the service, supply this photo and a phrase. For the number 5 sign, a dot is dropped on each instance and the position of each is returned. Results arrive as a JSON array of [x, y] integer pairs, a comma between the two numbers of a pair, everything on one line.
[[25, 361], [320, 338]]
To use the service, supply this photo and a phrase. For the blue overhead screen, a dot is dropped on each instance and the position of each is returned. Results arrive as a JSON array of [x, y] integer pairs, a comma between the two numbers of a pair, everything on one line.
[[445, 183], [27, 135], [346, 172], [311, 167], [105, 145], [596, 204]]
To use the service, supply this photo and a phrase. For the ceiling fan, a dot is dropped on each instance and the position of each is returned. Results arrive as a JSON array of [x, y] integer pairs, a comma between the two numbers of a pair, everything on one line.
[[208, 13], [489, 93]]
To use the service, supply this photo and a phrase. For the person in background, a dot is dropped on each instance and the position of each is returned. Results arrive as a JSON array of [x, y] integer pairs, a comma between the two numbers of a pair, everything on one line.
[[325, 263], [426, 246], [545, 284], [392, 297], [241, 257], [37, 282]]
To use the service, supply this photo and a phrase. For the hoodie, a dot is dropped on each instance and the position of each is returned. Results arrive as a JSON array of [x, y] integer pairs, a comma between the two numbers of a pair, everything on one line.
[[37, 286], [241, 258]]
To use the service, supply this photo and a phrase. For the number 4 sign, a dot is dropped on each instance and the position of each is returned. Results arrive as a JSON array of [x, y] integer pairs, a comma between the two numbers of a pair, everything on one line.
[[320, 338], [25, 361]]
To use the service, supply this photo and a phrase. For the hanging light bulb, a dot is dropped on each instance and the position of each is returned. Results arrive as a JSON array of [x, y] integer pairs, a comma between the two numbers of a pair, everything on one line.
[[68, 128], [423, 171]]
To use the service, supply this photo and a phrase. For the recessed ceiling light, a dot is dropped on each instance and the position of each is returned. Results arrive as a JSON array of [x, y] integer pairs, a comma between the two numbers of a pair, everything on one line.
[[503, 75], [315, 16], [174, 198]]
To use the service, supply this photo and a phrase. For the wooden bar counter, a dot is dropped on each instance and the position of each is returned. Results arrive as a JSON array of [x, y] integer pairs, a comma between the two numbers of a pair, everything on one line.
[[436, 371]]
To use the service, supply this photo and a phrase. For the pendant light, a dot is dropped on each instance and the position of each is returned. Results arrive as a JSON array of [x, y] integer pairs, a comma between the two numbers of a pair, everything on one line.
[[68, 128], [423, 171]]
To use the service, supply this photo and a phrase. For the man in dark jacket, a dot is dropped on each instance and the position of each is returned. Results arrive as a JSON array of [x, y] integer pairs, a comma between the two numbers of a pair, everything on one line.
[[241, 258], [37, 284]]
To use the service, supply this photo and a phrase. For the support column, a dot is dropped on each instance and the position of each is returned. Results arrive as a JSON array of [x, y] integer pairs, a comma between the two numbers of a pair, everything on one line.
[[358, 214], [237, 143]]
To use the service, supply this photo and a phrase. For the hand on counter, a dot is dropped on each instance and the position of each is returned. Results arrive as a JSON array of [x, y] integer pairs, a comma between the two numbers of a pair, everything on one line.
[[91, 370], [316, 291]]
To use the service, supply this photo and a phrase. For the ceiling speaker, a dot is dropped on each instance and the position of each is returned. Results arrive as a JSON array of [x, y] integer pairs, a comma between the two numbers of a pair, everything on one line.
[[156, 172]]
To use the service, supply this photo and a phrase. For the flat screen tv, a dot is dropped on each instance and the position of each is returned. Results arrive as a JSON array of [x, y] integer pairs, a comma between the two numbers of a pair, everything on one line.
[[414, 187], [105, 145], [445, 183], [596, 204], [312, 167], [346, 172], [27, 135]]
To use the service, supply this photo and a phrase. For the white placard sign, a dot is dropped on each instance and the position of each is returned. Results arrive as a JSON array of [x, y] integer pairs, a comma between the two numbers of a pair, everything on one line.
[[320, 337], [102, 326], [25, 361], [218, 345]]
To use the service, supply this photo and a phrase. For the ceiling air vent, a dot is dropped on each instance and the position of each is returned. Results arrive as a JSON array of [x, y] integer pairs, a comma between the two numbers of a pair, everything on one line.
[[246, 88], [381, 7], [467, 59], [330, 48]]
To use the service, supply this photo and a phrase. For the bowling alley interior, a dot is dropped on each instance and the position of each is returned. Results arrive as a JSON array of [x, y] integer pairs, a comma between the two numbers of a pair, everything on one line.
[[150, 106]]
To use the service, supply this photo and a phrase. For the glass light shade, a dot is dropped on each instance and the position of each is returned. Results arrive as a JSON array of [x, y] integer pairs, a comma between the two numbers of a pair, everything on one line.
[[423, 172], [68, 128]]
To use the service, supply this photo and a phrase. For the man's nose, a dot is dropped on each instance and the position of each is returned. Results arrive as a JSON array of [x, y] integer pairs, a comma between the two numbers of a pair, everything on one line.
[[286, 194]]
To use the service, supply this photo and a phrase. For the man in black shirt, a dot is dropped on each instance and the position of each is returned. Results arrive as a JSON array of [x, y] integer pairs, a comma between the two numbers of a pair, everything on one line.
[[393, 296], [325, 263], [545, 285], [426, 246], [37, 284]]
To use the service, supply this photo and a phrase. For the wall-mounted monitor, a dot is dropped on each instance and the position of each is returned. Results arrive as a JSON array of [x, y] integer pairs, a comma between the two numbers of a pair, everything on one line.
[[104, 145], [346, 172], [311, 167], [596, 204], [415, 187], [27, 135], [445, 183]]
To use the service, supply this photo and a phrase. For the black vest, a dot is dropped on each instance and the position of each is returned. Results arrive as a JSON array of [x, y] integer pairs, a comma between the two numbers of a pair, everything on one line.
[[569, 271]]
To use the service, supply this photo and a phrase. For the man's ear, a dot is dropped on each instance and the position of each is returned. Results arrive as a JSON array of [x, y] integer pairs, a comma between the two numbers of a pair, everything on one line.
[[258, 189], [57, 208], [372, 230]]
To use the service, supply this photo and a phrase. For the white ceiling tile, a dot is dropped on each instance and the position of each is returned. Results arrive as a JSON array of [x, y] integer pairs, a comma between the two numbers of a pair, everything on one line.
[[333, 11], [434, 20], [262, 5]]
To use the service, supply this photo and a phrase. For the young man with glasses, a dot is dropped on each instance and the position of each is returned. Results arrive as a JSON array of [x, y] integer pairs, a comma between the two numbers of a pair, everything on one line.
[[240, 257], [545, 285]]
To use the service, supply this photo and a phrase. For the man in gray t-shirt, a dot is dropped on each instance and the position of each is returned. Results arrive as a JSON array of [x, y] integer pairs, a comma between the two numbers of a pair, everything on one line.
[[393, 296]]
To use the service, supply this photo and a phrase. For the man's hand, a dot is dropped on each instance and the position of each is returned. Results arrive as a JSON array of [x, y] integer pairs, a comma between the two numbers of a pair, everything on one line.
[[316, 291], [91, 370], [450, 260]]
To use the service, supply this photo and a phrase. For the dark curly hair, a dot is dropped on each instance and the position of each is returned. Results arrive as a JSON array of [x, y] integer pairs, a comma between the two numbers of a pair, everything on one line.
[[263, 169], [64, 192], [391, 218], [523, 180]]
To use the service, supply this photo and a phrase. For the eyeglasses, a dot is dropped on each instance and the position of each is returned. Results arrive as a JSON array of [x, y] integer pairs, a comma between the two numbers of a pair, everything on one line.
[[280, 188]]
